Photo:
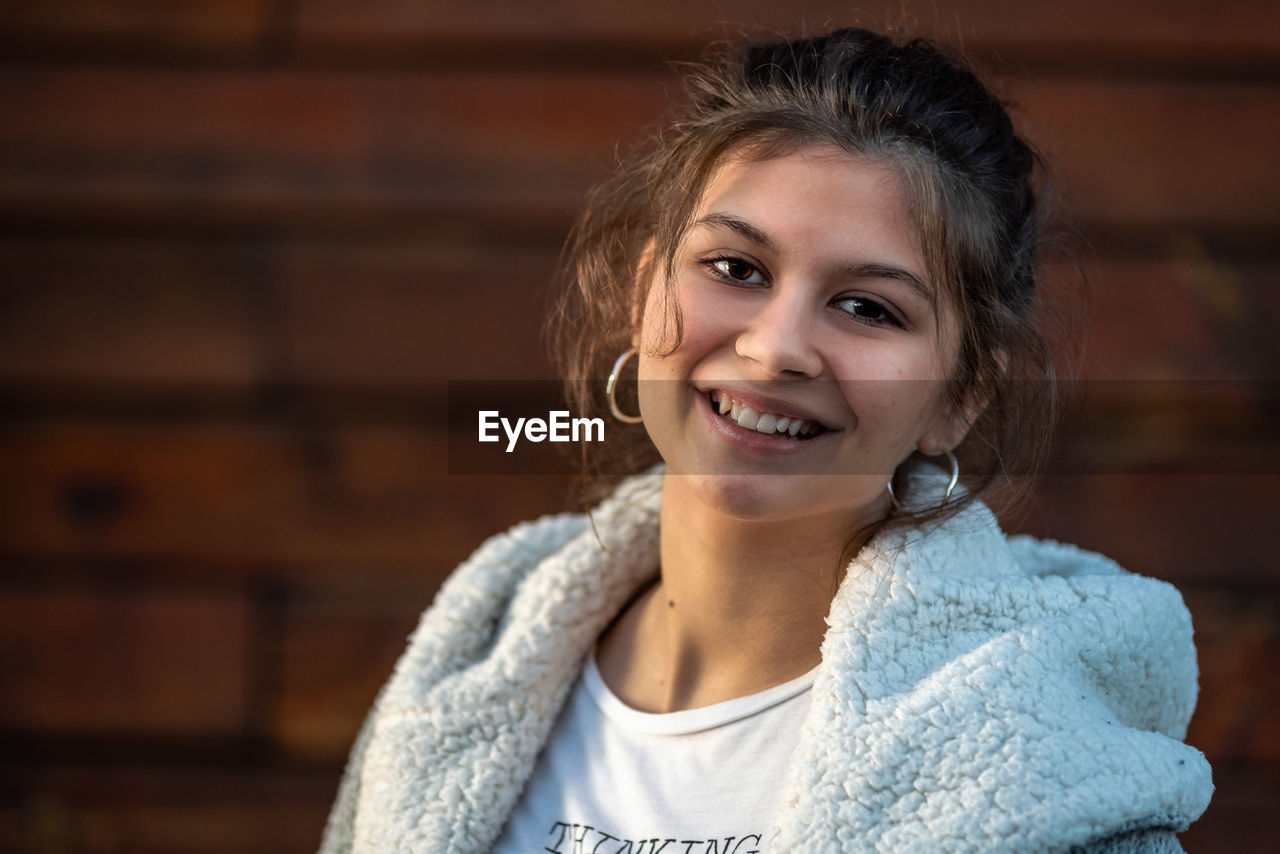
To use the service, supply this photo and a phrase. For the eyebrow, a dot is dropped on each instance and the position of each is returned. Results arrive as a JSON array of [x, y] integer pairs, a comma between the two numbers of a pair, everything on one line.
[[869, 270], [742, 227], [892, 271]]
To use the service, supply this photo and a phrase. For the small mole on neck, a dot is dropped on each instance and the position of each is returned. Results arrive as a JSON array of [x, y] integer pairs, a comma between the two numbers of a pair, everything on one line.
[[671, 603]]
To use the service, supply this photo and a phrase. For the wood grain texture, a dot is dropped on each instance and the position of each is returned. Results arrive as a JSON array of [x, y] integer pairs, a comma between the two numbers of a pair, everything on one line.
[[1237, 638], [112, 664], [1184, 528], [232, 27], [1182, 22], [287, 148], [282, 148], [163, 803], [309, 496], [331, 27], [105, 311], [246, 244], [1186, 314], [222, 315], [336, 655]]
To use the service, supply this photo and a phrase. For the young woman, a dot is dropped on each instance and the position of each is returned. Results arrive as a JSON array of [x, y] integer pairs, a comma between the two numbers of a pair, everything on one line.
[[802, 630]]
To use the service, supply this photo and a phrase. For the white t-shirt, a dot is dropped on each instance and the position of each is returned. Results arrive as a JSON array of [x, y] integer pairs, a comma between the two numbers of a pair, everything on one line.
[[613, 780]]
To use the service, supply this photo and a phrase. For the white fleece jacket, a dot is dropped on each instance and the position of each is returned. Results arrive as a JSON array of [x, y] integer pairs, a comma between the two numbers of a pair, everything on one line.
[[977, 693]]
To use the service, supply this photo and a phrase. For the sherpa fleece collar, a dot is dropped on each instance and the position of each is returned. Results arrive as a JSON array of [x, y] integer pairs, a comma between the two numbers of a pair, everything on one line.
[[977, 693]]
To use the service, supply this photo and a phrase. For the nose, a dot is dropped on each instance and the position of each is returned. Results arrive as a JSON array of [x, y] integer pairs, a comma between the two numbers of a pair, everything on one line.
[[779, 338]]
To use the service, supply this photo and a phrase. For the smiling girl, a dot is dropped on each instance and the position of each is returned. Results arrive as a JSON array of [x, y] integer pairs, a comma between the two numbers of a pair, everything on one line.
[[803, 630]]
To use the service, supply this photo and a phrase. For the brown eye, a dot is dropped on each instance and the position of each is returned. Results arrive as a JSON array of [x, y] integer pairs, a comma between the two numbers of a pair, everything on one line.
[[735, 269], [868, 311]]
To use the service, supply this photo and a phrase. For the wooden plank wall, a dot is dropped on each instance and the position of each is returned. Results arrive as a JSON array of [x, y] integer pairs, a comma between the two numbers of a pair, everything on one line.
[[244, 244]]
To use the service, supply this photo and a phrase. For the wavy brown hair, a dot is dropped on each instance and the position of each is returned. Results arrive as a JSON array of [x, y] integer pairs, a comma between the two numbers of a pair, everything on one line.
[[971, 186]]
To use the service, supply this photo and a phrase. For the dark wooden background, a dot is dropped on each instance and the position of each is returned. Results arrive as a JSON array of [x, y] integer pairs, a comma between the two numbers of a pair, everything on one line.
[[245, 243]]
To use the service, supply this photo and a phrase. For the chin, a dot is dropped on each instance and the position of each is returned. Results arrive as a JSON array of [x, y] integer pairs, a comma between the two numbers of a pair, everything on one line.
[[839, 501], [769, 498]]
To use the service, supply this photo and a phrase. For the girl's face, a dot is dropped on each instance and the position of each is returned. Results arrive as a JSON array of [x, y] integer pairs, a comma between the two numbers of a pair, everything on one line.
[[805, 298]]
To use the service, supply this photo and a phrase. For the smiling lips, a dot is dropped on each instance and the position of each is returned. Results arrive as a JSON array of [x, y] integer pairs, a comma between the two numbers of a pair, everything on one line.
[[769, 423]]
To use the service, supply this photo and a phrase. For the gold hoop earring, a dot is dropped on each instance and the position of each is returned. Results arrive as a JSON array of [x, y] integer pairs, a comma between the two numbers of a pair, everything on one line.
[[611, 386], [951, 484]]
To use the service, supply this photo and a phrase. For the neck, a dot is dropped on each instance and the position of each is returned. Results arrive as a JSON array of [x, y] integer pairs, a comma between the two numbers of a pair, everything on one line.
[[739, 607]]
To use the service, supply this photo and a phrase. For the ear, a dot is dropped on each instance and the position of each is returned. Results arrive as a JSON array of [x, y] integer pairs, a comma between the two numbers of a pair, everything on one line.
[[949, 429], [954, 424]]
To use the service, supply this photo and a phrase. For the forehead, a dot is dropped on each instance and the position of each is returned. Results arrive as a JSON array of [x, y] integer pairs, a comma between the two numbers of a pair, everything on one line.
[[822, 159], [819, 203]]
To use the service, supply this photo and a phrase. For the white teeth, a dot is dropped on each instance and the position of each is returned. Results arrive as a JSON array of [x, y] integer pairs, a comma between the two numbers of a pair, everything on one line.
[[761, 422]]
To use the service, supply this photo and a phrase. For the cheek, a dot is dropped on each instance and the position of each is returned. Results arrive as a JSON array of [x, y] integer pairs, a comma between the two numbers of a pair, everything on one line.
[[893, 414], [883, 377], [688, 315]]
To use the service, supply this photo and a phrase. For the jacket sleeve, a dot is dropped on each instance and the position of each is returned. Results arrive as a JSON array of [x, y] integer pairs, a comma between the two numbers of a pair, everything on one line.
[[1152, 841]]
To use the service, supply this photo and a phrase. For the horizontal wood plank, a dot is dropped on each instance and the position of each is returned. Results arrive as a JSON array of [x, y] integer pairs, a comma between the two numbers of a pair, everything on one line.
[[1138, 152], [1237, 638], [101, 312], [240, 315], [229, 27], [1182, 29], [283, 148], [335, 657], [159, 804], [1184, 528], [103, 664], [1182, 23], [1241, 816], [318, 498], [1184, 315], [406, 316]]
